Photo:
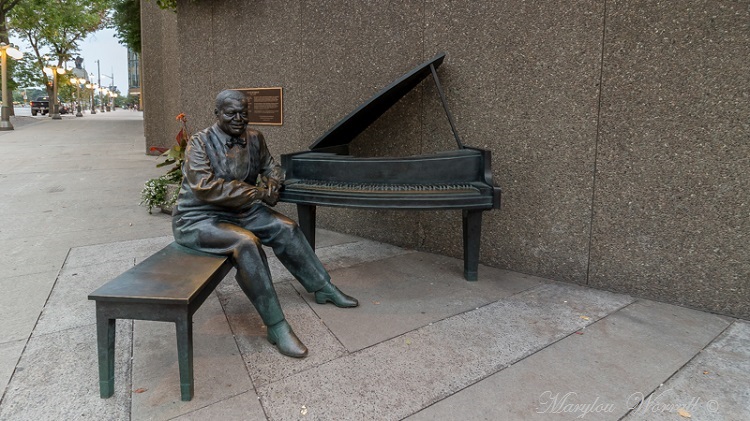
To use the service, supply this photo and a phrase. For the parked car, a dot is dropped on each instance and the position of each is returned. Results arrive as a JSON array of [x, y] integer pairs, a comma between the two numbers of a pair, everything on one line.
[[41, 105]]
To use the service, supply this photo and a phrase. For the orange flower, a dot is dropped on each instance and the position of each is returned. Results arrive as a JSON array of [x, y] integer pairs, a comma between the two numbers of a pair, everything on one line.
[[180, 117]]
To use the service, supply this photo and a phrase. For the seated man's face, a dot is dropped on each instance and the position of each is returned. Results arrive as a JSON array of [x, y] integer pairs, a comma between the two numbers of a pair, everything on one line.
[[233, 116]]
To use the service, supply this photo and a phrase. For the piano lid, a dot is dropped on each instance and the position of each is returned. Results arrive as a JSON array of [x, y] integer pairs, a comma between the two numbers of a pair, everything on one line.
[[358, 120]]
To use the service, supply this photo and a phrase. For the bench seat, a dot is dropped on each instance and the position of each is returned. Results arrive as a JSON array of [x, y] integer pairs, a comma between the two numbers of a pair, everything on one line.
[[169, 286]]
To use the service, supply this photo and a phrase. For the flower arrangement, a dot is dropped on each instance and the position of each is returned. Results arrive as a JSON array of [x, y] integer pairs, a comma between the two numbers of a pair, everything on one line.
[[155, 192]]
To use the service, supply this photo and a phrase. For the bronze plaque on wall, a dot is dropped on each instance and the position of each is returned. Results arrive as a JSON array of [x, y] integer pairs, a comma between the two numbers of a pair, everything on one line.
[[264, 106]]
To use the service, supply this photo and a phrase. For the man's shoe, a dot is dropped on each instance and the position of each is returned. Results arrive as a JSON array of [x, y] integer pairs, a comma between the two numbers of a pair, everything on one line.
[[286, 341], [332, 294]]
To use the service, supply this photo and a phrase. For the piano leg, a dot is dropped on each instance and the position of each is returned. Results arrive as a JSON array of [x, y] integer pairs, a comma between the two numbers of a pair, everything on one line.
[[472, 227], [306, 216]]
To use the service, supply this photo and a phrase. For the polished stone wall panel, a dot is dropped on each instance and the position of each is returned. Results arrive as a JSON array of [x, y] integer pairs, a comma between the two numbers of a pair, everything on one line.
[[672, 214], [260, 48], [522, 81], [197, 61], [350, 51], [618, 128], [161, 77]]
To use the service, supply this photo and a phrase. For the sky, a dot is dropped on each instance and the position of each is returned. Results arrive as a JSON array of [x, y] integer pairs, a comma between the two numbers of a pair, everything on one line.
[[102, 46], [112, 56]]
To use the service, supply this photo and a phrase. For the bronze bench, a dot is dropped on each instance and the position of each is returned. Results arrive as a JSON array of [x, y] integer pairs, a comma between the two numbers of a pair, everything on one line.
[[169, 286]]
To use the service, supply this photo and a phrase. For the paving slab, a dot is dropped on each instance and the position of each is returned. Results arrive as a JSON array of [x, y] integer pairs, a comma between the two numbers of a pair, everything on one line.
[[335, 255], [407, 291], [84, 177], [353, 253], [58, 378], [68, 305], [243, 407], [17, 321], [25, 258], [714, 386], [22, 257], [10, 352], [97, 254], [327, 238], [264, 362], [398, 377], [219, 371], [592, 374]]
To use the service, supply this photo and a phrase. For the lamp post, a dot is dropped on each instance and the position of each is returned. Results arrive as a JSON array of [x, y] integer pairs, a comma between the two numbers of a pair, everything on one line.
[[93, 87], [103, 97], [5, 51], [78, 82], [53, 105]]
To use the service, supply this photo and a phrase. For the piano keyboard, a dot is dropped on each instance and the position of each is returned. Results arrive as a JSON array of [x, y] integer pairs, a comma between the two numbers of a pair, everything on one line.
[[381, 188]]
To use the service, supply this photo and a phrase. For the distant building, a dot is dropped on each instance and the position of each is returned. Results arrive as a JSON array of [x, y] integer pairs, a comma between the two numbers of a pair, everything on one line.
[[134, 74]]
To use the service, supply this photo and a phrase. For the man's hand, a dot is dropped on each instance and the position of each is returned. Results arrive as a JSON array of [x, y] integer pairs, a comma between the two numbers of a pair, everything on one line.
[[273, 185], [271, 196]]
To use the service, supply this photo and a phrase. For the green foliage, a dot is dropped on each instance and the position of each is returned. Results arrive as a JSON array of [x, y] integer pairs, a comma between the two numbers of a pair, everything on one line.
[[121, 101], [26, 72], [65, 90], [31, 94], [176, 154], [57, 26], [167, 4], [126, 19], [5, 7], [154, 193]]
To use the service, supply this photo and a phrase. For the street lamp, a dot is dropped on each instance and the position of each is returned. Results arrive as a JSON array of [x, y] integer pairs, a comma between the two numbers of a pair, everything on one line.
[[77, 82], [102, 98], [5, 51], [54, 106], [93, 87]]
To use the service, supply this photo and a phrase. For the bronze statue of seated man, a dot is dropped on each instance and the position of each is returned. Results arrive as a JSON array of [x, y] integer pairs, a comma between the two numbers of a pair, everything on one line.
[[221, 208]]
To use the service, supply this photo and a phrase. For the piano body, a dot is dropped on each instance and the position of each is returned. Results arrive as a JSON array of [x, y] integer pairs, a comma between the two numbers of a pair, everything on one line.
[[327, 176]]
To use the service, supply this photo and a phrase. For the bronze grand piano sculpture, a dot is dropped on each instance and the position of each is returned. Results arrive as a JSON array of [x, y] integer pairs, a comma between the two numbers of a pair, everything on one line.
[[327, 176]]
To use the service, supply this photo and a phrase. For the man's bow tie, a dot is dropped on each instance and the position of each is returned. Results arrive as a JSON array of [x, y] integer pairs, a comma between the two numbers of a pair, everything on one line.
[[236, 141]]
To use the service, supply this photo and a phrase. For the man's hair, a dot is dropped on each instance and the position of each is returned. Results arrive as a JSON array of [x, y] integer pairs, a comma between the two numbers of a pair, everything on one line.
[[226, 94]]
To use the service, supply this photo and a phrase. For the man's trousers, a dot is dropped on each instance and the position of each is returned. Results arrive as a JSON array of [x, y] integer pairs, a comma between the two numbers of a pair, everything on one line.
[[241, 236]]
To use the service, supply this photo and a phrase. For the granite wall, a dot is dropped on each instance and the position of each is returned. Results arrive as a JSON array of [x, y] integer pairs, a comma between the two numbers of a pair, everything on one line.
[[161, 75], [618, 128]]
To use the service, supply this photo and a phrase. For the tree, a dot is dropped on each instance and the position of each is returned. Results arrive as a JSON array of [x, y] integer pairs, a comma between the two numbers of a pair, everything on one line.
[[126, 19], [167, 4], [57, 27], [25, 73], [5, 7]]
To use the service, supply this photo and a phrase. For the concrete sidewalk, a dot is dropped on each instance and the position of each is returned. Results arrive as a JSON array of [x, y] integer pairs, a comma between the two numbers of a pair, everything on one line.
[[424, 344]]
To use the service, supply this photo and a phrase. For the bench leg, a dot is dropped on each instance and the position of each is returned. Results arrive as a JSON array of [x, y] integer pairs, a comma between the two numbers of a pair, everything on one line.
[[306, 216], [184, 327], [105, 338], [472, 236]]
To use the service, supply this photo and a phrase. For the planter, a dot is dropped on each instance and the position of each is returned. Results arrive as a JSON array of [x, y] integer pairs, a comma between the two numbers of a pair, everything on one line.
[[172, 190]]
